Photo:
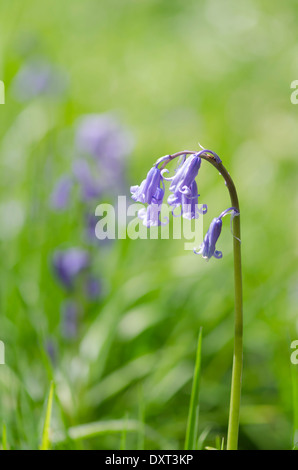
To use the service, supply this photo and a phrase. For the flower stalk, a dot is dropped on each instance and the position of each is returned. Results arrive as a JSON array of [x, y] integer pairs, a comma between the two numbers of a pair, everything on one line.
[[234, 414], [181, 185]]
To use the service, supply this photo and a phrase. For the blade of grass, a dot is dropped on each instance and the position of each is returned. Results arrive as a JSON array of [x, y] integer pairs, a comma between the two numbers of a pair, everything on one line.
[[203, 436], [220, 443], [97, 428], [45, 443], [4, 438], [193, 414], [124, 434], [141, 434]]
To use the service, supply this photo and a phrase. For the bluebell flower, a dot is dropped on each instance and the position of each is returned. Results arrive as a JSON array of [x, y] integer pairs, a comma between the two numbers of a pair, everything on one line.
[[175, 200], [151, 215], [189, 204], [68, 264], [185, 176], [149, 190], [61, 193], [158, 196], [208, 247]]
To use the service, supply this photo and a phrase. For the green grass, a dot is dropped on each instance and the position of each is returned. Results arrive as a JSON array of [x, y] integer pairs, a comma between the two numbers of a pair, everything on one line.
[[45, 443], [193, 414], [4, 441]]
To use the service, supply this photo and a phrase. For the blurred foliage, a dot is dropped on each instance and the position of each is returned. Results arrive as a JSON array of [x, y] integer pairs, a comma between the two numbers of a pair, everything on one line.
[[176, 72]]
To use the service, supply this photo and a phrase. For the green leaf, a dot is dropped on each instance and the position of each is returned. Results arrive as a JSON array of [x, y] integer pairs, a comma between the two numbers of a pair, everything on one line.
[[97, 428], [4, 439], [193, 414], [45, 443], [124, 434]]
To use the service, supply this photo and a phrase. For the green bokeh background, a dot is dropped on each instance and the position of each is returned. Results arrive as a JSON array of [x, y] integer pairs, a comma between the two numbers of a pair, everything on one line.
[[177, 73]]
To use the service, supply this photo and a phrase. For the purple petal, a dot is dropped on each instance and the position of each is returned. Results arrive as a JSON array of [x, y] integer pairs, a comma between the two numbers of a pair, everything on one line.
[[149, 188]]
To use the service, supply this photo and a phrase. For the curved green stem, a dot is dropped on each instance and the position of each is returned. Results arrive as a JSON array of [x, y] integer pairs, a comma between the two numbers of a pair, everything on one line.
[[233, 427]]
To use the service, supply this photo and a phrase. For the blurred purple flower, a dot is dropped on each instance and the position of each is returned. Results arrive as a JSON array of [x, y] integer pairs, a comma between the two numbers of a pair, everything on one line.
[[90, 187], [38, 78], [69, 319], [61, 193], [91, 221], [107, 141], [104, 138], [69, 263], [93, 288], [90, 236]]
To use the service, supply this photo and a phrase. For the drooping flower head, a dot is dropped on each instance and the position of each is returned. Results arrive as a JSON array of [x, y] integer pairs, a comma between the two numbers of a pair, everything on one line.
[[184, 195], [185, 190], [151, 191], [208, 247]]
